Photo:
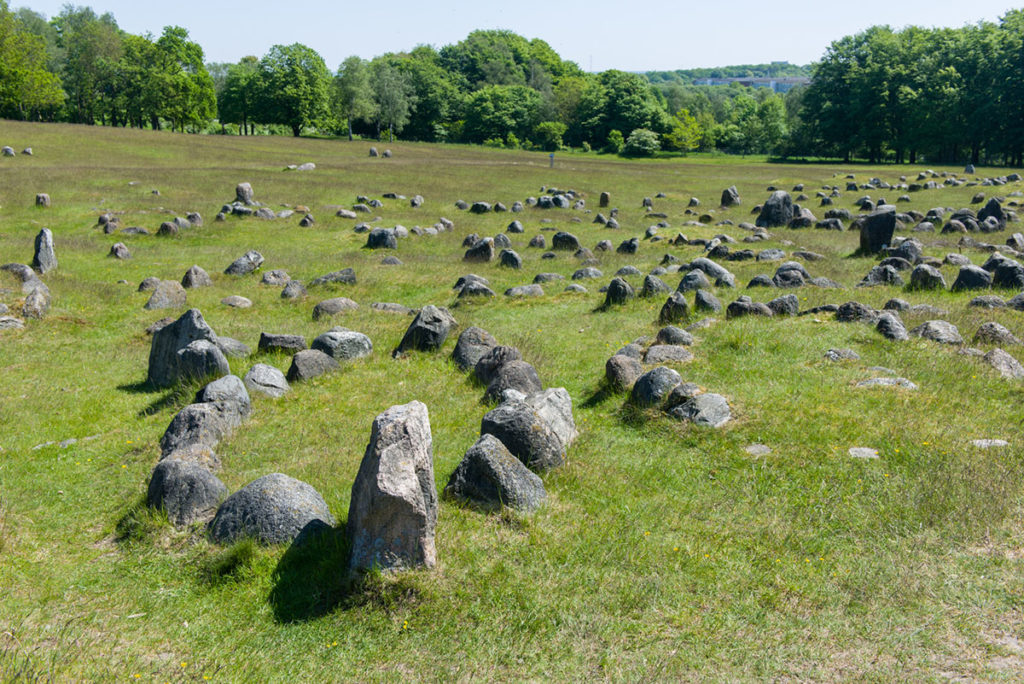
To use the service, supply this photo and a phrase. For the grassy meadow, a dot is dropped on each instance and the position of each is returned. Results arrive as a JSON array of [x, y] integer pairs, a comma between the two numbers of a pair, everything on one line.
[[665, 552]]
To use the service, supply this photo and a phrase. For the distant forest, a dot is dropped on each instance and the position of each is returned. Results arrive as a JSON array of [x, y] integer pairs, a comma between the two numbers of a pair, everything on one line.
[[912, 95]]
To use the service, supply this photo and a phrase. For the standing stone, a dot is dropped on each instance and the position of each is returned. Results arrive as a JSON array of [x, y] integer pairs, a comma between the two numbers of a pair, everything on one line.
[[393, 509], [777, 211], [196, 277], [167, 295], [243, 193], [119, 251], [877, 229], [163, 352], [45, 259], [491, 476], [619, 291], [675, 309], [730, 196], [606, 199], [428, 331], [42, 200]]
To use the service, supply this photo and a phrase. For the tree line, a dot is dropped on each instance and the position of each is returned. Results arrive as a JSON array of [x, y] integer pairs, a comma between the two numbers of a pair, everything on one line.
[[936, 94]]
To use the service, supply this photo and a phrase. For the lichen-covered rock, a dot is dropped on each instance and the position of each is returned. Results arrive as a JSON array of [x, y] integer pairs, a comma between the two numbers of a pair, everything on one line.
[[272, 510]]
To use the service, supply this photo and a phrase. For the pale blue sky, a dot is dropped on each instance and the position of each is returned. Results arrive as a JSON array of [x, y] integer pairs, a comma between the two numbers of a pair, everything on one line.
[[599, 34]]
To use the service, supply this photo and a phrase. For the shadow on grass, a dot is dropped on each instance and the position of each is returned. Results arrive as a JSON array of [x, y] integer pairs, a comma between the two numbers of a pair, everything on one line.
[[171, 398], [603, 393], [312, 579]]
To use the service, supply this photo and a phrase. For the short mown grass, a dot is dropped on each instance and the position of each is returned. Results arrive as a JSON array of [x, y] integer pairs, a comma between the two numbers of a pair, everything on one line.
[[664, 552]]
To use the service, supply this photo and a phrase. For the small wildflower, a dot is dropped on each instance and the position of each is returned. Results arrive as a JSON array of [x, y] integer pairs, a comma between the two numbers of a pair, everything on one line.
[[184, 664], [647, 533]]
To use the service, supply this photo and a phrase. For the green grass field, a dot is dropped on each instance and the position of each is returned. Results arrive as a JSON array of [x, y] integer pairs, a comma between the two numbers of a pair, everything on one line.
[[664, 552]]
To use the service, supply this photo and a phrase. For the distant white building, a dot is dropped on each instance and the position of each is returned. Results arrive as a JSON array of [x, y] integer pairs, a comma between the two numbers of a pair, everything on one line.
[[778, 84]]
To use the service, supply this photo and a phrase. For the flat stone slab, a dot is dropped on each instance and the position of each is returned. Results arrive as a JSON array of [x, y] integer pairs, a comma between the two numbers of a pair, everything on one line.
[[758, 449], [863, 452], [888, 382], [989, 443]]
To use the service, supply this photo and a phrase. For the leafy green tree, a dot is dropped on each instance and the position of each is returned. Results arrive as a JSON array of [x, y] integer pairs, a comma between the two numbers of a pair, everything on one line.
[[615, 142], [641, 143], [439, 97], [685, 135], [180, 74], [92, 47], [239, 99], [392, 95], [293, 88], [549, 135], [26, 86], [352, 95], [496, 111]]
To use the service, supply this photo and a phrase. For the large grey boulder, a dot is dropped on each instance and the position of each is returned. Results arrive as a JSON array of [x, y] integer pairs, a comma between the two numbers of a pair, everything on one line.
[[272, 510], [891, 327], [619, 292], [244, 194], [994, 210], [514, 375], [196, 277], [564, 240], [491, 361], [186, 490], [472, 344], [202, 359], [654, 386], [675, 309], [707, 410], [333, 307], [1007, 366], [169, 294], [393, 509], [777, 211], [343, 345], [266, 380], [942, 332], [730, 197], [45, 258], [972, 277], [995, 333], [490, 476], [229, 391], [428, 330], [381, 238], [925, 277], [877, 229], [204, 424], [245, 264], [37, 303], [622, 371], [481, 252], [275, 342], [163, 352], [526, 433], [310, 363]]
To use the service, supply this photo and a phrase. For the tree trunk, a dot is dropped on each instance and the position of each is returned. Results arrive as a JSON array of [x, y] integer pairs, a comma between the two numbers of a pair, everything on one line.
[[350, 128], [296, 129], [391, 134]]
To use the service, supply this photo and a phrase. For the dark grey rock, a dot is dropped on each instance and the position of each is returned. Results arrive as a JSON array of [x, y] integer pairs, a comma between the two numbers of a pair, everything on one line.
[[525, 291], [527, 430], [994, 333], [204, 424], [517, 375], [877, 229], [272, 510], [667, 353], [490, 362], [881, 275], [491, 476], [694, 280], [481, 252], [293, 289], [654, 386], [705, 301], [745, 306], [925, 277], [619, 292], [164, 369], [972, 278], [777, 211], [245, 264], [310, 363], [674, 309], [187, 491], [45, 258], [381, 238], [346, 276], [891, 327], [333, 307], [428, 331], [273, 342], [202, 359], [786, 305], [196, 277], [473, 343], [855, 312], [563, 240], [730, 197], [509, 259]]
